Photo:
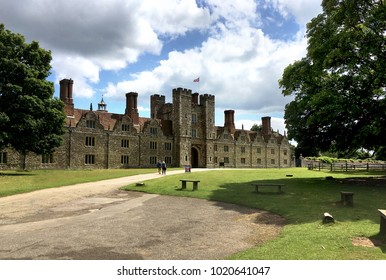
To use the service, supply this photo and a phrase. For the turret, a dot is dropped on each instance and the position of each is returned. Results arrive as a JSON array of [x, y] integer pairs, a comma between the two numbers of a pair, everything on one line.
[[156, 102], [102, 106]]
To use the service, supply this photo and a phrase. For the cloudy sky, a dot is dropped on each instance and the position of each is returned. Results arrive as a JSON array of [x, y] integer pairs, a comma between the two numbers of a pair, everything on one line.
[[238, 49]]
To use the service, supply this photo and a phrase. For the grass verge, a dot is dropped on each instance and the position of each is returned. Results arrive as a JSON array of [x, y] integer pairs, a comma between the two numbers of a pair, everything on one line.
[[15, 182]]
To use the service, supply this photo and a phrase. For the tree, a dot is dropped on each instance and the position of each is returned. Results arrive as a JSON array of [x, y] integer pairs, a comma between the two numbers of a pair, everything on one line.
[[256, 127], [31, 120], [340, 86]]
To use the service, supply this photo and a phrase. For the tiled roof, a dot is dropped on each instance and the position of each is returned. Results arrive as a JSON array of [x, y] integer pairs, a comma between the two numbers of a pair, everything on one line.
[[106, 119]]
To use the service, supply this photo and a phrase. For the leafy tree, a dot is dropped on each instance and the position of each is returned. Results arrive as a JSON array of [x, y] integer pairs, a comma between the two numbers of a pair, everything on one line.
[[256, 127], [381, 153], [30, 119], [340, 86]]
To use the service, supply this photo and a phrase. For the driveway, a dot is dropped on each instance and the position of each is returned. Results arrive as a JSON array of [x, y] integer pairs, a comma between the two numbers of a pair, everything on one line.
[[97, 221]]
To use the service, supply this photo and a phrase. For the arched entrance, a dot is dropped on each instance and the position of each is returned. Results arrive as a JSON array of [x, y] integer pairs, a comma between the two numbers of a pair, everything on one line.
[[194, 157]]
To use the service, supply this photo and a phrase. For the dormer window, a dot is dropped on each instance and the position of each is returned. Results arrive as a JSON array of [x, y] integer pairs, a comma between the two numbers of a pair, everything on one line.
[[153, 130], [90, 124], [125, 127]]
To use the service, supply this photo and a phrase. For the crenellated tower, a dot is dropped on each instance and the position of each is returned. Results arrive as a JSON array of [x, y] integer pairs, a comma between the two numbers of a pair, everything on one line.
[[182, 125], [207, 102], [156, 102]]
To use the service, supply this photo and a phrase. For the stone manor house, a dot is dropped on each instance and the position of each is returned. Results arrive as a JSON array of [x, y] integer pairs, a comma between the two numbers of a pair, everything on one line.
[[180, 133]]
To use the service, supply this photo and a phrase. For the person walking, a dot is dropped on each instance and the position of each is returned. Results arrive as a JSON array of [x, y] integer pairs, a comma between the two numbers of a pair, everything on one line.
[[163, 167], [159, 166]]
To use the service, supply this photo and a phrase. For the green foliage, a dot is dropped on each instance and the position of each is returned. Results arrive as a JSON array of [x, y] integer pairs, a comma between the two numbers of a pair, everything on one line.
[[256, 127], [331, 160], [381, 153], [30, 119], [339, 86]]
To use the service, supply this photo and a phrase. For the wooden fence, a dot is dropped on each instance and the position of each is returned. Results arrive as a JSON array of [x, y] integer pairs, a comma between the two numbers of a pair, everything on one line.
[[345, 166]]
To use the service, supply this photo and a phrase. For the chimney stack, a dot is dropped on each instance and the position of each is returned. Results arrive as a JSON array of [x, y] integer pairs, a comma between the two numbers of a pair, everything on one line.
[[66, 96], [131, 106], [229, 121], [266, 125]]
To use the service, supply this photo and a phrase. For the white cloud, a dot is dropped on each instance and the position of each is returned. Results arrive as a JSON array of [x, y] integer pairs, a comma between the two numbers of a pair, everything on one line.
[[83, 71], [89, 36], [302, 10], [241, 68], [175, 17], [237, 63], [233, 14], [277, 124]]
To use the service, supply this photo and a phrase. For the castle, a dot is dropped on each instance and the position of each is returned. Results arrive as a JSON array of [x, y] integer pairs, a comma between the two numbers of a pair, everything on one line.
[[180, 133]]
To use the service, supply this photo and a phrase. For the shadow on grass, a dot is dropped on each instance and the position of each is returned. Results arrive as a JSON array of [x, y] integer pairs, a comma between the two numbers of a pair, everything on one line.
[[305, 200]]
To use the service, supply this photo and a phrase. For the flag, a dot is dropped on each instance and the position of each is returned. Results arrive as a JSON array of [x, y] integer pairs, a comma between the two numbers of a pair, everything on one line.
[[196, 80]]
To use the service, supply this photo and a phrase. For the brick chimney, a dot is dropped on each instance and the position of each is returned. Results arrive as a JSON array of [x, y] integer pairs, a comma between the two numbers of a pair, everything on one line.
[[131, 106], [229, 121], [266, 125], [66, 96]]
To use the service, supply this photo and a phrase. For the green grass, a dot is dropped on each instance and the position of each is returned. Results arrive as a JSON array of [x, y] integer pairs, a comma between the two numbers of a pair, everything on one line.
[[14, 182], [307, 195]]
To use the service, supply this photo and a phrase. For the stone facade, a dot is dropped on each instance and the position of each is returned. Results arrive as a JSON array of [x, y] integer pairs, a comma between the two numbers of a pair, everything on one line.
[[180, 133]]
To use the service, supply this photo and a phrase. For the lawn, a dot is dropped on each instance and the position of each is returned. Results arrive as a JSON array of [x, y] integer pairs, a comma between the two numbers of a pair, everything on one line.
[[307, 196], [14, 182]]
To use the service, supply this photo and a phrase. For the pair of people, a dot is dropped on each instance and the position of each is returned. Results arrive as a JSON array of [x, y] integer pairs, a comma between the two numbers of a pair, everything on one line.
[[161, 165]]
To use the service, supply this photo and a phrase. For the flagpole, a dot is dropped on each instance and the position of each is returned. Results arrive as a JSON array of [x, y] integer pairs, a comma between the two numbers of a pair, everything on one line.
[[197, 80]]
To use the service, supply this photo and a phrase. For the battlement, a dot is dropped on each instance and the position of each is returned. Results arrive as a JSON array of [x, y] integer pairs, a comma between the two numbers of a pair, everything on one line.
[[156, 102], [206, 97], [157, 98], [184, 91]]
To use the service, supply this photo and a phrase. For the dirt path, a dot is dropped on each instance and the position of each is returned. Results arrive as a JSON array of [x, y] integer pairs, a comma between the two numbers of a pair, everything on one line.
[[99, 221]]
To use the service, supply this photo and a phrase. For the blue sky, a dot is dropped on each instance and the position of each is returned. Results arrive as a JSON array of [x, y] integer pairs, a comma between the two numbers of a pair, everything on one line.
[[110, 47]]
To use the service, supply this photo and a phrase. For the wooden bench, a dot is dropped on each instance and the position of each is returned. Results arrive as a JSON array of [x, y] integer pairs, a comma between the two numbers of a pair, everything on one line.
[[278, 186], [195, 184], [347, 198], [382, 226]]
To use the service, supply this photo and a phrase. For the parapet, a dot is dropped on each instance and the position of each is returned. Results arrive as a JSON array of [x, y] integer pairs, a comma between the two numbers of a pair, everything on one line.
[[206, 97], [182, 91]]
